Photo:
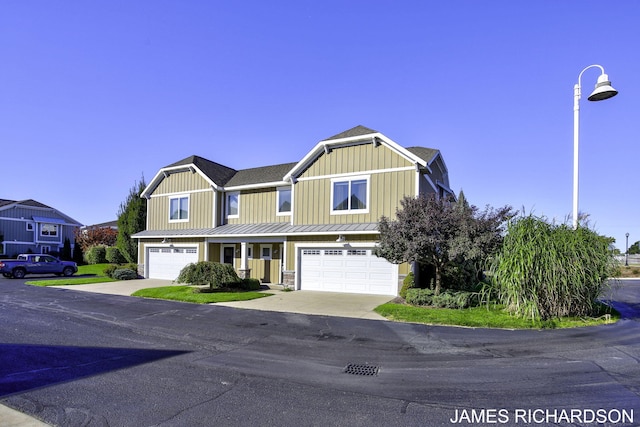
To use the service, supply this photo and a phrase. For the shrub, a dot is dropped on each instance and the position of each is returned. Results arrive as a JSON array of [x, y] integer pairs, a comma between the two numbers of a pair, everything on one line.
[[446, 299], [124, 274], [546, 270], [114, 256], [417, 296], [407, 284], [210, 273], [108, 271], [96, 255], [250, 284]]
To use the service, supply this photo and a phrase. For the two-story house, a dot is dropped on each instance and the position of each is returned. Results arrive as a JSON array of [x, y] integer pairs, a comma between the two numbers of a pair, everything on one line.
[[28, 225], [310, 224]]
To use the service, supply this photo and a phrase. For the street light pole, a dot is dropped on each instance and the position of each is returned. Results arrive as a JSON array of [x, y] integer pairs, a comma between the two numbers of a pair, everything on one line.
[[626, 254], [602, 91]]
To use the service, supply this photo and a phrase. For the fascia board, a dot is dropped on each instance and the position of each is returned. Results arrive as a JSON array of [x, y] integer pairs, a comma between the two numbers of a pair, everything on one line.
[[369, 138], [439, 155], [255, 186], [164, 171]]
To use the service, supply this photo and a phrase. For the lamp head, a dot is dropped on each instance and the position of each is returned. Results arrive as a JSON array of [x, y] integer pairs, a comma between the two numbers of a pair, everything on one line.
[[603, 89]]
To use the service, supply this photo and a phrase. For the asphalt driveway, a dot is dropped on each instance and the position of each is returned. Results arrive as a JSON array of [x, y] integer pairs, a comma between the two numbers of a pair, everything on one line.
[[92, 359]]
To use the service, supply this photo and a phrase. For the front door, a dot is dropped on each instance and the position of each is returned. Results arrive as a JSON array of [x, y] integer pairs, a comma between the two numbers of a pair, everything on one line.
[[228, 254]]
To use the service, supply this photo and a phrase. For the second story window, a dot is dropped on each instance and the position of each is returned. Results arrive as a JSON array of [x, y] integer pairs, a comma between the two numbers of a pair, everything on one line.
[[284, 201], [179, 209], [233, 204], [49, 230], [350, 195]]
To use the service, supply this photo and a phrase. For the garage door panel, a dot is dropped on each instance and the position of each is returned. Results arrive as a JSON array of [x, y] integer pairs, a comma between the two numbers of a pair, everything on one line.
[[347, 270], [166, 263]]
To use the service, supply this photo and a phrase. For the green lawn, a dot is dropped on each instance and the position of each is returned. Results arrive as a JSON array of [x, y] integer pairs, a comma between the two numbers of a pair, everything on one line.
[[86, 274], [186, 294], [481, 317]]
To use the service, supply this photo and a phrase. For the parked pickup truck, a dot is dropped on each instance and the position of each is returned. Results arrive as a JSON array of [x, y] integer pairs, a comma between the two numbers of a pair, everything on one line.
[[36, 264]]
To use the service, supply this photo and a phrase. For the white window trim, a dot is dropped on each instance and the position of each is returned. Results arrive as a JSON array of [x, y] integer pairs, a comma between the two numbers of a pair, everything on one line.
[[269, 257], [349, 179], [249, 251], [30, 226], [56, 226], [226, 199], [278, 190], [178, 197]]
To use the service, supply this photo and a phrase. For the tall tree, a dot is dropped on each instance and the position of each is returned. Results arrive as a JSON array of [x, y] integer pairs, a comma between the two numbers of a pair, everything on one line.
[[132, 218], [439, 232]]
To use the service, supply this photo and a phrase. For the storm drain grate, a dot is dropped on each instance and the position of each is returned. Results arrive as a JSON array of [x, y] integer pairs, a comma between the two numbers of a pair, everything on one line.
[[358, 369]]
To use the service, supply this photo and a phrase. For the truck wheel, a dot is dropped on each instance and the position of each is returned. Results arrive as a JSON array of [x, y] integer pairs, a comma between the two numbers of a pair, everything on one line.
[[19, 273], [68, 271]]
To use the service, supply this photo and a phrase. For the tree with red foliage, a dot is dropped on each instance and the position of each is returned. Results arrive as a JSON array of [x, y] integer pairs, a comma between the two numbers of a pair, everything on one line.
[[96, 236]]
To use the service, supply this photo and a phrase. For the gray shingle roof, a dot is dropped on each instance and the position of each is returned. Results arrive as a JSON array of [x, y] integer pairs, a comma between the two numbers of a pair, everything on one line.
[[228, 177], [218, 173], [426, 154], [260, 175], [28, 202], [355, 131]]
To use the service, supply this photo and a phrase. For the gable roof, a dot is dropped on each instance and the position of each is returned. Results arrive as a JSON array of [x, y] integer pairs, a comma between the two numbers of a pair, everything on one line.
[[426, 154], [350, 133], [30, 203], [216, 172], [421, 156], [225, 178]]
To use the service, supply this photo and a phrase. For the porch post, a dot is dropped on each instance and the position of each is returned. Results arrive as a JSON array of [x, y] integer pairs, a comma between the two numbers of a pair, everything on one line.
[[244, 271]]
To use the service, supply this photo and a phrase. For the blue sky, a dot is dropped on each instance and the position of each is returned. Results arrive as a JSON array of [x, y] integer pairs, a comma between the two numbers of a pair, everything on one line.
[[95, 95]]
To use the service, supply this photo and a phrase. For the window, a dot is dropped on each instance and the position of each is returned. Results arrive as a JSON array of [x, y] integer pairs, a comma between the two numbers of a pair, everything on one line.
[[250, 251], [350, 196], [284, 201], [265, 252], [233, 204], [179, 209], [29, 226], [50, 230]]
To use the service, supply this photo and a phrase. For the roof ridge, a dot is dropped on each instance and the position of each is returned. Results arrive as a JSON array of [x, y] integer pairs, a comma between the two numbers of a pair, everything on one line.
[[354, 131]]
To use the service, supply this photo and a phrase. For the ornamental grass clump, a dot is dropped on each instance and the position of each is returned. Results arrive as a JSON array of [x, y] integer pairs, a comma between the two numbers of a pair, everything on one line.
[[546, 271]]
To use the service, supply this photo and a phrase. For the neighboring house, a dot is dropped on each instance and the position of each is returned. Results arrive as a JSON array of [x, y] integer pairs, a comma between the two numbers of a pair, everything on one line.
[[28, 225], [310, 224], [109, 224]]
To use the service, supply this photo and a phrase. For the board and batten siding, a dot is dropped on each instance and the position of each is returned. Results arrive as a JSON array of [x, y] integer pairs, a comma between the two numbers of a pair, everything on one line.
[[257, 207], [391, 177], [200, 211], [177, 184], [313, 204], [355, 158]]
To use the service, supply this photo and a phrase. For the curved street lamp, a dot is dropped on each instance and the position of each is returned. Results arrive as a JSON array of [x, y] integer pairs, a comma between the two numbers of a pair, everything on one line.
[[602, 91]]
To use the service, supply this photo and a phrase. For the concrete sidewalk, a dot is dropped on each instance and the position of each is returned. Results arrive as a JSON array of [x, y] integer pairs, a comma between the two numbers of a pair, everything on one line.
[[304, 302], [125, 287], [317, 303]]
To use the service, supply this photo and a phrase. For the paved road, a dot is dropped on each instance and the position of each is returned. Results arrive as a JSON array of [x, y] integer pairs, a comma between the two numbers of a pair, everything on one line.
[[79, 359]]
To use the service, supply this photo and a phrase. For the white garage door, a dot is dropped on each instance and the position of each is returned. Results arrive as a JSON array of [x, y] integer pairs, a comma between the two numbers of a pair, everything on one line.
[[166, 263], [347, 270]]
